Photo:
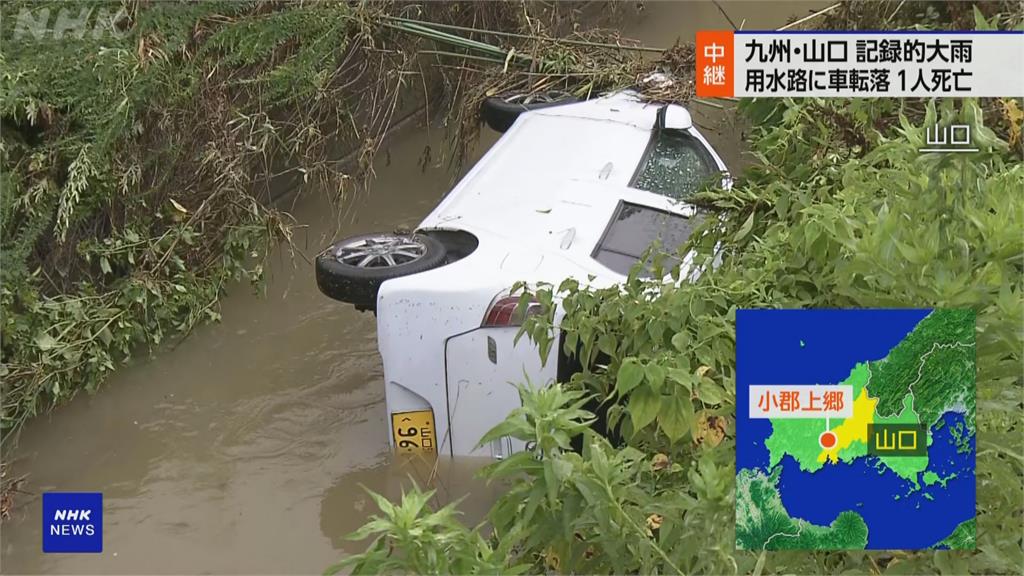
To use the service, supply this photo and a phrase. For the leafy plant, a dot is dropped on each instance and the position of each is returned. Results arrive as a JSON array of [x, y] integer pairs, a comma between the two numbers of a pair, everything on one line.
[[411, 538]]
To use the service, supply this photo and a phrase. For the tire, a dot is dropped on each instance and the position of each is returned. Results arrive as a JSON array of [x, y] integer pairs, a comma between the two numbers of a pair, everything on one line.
[[499, 112], [353, 269]]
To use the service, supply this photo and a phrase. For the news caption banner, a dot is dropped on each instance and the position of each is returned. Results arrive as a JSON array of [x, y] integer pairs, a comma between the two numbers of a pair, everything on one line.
[[902, 64], [855, 429], [72, 522]]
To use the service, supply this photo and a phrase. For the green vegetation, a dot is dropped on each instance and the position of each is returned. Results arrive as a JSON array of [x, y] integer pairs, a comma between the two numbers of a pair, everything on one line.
[[935, 362], [433, 541], [763, 524]]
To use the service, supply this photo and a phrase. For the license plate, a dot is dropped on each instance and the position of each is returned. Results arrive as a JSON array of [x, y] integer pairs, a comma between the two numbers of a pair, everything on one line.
[[414, 432]]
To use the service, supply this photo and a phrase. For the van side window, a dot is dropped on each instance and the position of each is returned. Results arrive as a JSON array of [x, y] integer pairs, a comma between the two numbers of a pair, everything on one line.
[[675, 164], [634, 228]]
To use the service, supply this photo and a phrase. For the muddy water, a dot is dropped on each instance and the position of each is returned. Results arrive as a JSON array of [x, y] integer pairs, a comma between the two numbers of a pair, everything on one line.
[[244, 448]]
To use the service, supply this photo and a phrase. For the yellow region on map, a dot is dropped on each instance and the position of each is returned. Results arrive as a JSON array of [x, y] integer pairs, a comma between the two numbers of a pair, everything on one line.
[[853, 429]]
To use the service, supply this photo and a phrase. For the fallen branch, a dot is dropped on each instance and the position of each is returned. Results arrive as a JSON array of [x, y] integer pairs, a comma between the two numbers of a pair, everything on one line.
[[811, 16]]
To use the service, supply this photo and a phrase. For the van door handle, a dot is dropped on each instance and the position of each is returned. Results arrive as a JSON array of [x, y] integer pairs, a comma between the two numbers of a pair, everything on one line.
[[567, 239]]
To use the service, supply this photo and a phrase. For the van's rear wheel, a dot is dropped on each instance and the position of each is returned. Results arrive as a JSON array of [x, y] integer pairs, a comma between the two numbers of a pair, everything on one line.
[[353, 269], [499, 112]]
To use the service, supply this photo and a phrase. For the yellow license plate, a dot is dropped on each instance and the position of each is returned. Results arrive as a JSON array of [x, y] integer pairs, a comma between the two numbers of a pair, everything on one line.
[[414, 432]]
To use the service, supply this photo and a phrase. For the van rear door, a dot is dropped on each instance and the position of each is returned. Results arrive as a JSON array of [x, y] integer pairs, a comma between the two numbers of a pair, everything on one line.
[[482, 368]]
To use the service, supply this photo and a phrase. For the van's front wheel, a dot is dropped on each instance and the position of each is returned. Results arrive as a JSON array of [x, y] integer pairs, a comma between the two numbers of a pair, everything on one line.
[[499, 112], [353, 269]]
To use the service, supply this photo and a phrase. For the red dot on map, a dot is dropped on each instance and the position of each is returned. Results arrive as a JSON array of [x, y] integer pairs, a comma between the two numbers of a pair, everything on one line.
[[827, 439]]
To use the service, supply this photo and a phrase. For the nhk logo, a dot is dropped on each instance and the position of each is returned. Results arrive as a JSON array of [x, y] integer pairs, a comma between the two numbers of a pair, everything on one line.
[[40, 24], [72, 522], [72, 515]]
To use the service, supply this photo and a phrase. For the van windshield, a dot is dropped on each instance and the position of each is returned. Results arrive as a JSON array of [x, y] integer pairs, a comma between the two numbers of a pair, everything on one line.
[[634, 228], [675, 164]]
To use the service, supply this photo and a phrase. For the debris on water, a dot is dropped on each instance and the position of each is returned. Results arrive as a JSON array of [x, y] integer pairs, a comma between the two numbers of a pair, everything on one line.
[[657, 80]]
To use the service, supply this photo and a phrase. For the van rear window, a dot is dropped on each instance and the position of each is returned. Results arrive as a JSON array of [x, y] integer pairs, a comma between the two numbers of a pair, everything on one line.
[[675, 164], [634, 228]]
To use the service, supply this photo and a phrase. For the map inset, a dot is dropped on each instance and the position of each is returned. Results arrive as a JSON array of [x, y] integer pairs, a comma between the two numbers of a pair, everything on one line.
[[855, 429]]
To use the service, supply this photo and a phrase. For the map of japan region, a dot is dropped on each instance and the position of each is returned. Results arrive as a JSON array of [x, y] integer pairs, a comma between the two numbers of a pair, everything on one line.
[[855, 429]]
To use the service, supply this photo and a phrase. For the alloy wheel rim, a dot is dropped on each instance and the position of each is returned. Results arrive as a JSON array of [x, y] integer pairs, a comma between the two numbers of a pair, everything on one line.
[[545, 97], [381, 251]]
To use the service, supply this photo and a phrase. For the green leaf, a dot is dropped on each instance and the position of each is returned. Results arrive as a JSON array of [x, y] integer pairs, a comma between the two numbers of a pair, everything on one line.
[[606, 343], [744, 229], [631, 373], [643, 407], [676, 415], [536, 495], [782, 205], [655, 376], [710, 392], [45, 342], [515, 425], [551, 482], [681, 341], [980, 23], [682, 377]]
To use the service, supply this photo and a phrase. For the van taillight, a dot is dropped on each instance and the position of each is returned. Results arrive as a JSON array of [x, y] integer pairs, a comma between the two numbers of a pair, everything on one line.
[[506, 311]]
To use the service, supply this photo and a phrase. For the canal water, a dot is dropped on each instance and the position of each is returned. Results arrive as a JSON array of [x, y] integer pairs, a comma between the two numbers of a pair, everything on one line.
[[245, 448]]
